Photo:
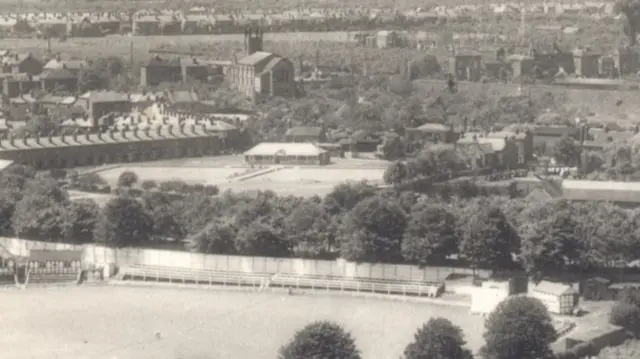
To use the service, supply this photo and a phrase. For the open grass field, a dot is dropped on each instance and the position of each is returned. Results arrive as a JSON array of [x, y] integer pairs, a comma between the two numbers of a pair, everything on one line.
[[121, 322]]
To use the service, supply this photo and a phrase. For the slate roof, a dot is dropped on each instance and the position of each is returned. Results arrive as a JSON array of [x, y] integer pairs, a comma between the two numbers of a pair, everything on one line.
[[54, 142], [255, 58]]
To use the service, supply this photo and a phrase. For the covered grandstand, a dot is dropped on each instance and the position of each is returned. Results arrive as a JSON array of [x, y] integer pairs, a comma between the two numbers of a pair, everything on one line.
[[270, 153]]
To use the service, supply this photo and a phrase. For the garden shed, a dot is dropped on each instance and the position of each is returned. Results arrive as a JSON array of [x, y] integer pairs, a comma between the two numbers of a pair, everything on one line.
[[557, 297]]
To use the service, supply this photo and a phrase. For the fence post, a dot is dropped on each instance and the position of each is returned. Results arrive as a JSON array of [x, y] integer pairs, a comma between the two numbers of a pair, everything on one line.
[[358, 287], [209, 280], [404, 290], [388, 288], [297, 282], [157, 275], [327, 285]]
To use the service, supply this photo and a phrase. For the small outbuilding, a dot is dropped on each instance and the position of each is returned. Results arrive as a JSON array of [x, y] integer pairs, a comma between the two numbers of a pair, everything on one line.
[[486, 298], [558, 298], [270, 153], [597, 288]]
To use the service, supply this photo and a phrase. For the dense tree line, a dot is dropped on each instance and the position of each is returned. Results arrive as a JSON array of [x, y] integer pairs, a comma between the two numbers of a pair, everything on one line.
[[356, 221]]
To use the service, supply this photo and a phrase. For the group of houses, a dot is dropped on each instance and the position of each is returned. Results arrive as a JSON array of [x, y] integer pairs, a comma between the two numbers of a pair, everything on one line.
[[582, 67], [203, 20]]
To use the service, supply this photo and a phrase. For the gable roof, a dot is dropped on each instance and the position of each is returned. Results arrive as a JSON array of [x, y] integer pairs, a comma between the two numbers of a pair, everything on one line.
[[57, 74], [65, 64], [553, 288], [433, 128], [255, 58]]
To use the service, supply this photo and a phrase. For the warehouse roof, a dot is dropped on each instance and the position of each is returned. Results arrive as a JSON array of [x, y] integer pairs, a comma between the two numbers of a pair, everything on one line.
[[285, 149], [54, 142]]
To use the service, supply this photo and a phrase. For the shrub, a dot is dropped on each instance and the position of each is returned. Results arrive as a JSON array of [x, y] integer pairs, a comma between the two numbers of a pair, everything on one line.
[[149, 184], [627, 316], [198, 188], [569, 354], [211, 190], [127, 179], [583, 350], [173, 186]]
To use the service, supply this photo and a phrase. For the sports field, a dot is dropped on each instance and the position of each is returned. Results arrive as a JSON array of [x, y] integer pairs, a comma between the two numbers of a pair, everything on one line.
[[122, 322]]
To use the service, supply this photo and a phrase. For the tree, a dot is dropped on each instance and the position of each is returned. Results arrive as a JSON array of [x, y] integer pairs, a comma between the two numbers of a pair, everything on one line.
[[38, 214], [392, 147], [347, 195], [395, 174], [127, 179], [438, 339], [372, 231], [519, 327], [626, 311], [308, 230], [488, 238], [320, 340], [90, 79], [165, 213], [431, 235], [123, 222], [567, 151], [217, 237], [79, 220], [261, 240], [631, 11]]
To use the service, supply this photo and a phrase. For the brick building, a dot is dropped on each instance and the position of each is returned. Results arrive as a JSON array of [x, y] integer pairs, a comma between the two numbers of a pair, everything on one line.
[[100, 103], [159, 70], [262, 74], [24, 63], [111, 147], [270, 153]]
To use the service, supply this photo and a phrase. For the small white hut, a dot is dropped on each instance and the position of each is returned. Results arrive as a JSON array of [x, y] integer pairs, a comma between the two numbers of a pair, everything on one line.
[[559, 298]]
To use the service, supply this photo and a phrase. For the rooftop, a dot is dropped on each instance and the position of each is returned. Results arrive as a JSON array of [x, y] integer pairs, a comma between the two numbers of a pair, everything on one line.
[[284, 149], [553, 288], [255, 58], [54, 142]]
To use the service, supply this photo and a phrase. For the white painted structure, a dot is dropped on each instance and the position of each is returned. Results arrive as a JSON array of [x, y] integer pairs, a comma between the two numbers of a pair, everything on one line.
[[558, 298], [486, 298]]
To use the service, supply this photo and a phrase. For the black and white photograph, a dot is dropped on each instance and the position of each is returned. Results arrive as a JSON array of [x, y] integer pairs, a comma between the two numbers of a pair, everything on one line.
[[319, 179]]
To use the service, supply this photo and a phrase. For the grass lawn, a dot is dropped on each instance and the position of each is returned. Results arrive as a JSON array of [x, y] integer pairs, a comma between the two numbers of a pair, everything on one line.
[[121, 322]]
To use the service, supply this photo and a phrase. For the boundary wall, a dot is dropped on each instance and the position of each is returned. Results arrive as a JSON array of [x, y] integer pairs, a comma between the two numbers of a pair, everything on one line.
[[100, 256]]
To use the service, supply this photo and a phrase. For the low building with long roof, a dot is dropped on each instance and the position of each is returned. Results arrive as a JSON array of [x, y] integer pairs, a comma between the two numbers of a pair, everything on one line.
[[90, 149], [270, 153]]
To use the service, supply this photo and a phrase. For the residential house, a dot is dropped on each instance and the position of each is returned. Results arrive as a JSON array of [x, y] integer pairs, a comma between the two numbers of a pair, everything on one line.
[[521, 65], [466, 66], [360, 141], [73, 66], [61, 79], [195, 69], [21, 63], [545, 137], [482, 151], [523, 141], [306, 134], [159, 70], [101, 103], [433, 132], [586, 63], [627, 61], [262, 74], [14, 85]]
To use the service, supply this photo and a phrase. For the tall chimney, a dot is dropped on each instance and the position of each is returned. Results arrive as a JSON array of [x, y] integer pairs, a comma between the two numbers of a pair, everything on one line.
[[193, 128], [146, 131], [100, 135], [171, 129], [135, 132], [11, 139], [75, 136], [159, 130], [38, 138], [86, 135], [24, 139], [123, 133]]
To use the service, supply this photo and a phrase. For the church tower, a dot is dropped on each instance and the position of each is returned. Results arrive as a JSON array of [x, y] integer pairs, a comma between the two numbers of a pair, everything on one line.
[[252, 40]]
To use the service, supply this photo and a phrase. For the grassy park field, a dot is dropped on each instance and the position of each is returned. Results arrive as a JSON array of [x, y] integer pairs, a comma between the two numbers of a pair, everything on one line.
[[122, 322]]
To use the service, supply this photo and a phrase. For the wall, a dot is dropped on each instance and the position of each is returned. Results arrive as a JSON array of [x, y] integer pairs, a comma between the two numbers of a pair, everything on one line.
[[100, 255]]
